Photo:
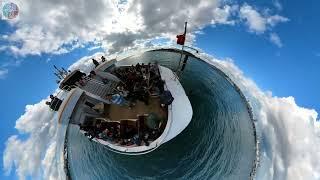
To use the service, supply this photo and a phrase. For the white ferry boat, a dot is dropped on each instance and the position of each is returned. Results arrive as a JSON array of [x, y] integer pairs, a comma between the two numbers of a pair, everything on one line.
[[128, 109]]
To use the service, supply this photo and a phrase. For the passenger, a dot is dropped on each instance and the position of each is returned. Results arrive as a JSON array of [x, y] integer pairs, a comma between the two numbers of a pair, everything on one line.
[[95, 62], [51, 97], [143, 69], [132, 69], [138, 66], [154, 134], [91, 134], [110, 136], [145, 139], [123, 142], [122, 91], [92, 74], [100, 127], [137, 140], [103, 59], [103, 135], [82, 82]]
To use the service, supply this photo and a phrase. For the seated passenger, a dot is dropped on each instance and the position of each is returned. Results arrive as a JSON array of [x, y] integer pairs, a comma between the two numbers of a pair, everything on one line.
[[145, 139], [136, 140], [166, 98], [122, 91]]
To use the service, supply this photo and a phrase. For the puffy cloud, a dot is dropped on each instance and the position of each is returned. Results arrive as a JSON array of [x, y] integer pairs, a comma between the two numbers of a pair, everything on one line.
[[47, 26], [253, 18], [26, 155], [274, 38], [289, 134], [39, 154], [223, 15], [258, 22], [58, 26], [275, 19], [85, 63]]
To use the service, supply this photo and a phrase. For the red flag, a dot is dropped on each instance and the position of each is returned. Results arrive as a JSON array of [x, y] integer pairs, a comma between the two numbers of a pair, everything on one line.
[[182, 37]]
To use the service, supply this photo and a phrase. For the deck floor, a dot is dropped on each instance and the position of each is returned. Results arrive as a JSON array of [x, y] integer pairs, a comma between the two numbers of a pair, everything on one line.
[[116, 112]]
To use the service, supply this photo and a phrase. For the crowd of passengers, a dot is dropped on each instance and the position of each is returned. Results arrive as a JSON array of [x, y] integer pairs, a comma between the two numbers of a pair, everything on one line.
[[115, 132], [138, 83]]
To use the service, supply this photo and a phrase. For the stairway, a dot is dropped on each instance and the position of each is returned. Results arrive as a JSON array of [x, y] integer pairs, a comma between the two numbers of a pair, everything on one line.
[[99, 88]]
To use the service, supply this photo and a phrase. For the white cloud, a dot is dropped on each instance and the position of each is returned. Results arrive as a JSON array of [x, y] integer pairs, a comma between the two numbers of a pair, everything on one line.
[[276, 19], [85, 63], [253, 18], [117, 25], [46, 26], [114, 24], [39, 155], [26, 155], [258, 22], [223, 15], [274, 38], [3, 73], [289, 134]]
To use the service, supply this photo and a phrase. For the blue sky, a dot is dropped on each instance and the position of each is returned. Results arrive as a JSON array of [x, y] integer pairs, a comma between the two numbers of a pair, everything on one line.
[[292, 70], [289, 69]]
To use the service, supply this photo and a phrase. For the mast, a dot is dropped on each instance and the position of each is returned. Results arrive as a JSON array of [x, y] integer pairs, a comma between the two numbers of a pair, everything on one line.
[[181, 40]]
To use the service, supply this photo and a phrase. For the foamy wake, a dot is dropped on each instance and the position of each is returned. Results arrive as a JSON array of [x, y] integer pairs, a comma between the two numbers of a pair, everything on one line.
[[289, 135]]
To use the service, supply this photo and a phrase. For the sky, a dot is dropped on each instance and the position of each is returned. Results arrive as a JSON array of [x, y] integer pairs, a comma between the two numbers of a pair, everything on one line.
[[275, 43]]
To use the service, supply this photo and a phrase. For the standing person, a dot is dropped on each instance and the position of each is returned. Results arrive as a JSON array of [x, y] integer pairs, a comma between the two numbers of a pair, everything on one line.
[[138, 66], [103, 59], [95, 62], [51, 97]]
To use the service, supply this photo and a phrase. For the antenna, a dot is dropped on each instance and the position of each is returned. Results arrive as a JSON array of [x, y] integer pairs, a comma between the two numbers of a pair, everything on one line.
[[60, 72], [65, 71], [56, 68], [58, 76]]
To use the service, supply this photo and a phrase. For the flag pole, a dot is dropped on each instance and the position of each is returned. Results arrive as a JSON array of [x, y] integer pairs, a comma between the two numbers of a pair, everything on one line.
[[181, 52]]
